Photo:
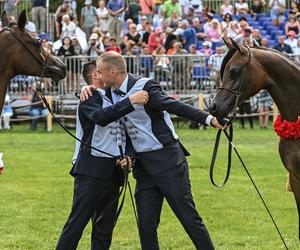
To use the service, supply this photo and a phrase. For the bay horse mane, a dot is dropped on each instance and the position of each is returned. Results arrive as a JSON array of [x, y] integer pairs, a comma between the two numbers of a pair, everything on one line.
[[232, 51]]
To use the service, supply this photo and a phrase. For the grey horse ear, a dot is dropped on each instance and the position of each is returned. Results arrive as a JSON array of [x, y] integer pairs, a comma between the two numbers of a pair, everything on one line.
[[227, 43], [236, 46], [4, 18], [22, 20]]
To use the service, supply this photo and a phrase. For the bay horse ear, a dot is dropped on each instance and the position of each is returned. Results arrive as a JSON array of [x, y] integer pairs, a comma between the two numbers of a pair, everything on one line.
[[22, 20], [4, 18], [227, 43], [236, 46]]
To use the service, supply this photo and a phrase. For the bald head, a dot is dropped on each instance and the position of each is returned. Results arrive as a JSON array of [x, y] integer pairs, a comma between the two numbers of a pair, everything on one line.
[[113, 60]]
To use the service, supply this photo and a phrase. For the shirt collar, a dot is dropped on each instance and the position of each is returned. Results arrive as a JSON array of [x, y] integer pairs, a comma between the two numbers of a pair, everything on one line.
[[123, 86]]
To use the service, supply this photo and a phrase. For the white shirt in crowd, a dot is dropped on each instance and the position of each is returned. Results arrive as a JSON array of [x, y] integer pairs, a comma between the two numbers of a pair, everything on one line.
[[292, 43], [103, 16], [68, 29], [242, 6]]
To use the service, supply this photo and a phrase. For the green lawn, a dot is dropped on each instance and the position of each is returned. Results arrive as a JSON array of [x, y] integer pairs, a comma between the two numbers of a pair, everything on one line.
[[36, 194]]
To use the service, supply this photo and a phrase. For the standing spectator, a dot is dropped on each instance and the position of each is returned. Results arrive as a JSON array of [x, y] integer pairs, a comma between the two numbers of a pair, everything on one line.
[[282, 47], [115, 9], [95, 47], [189, 35], [291, 40], [37, 109], [89, 18], [7, 113], [180, 74], [245, 108], [155, 39], [103, 16], [241, 7], [184, 7], [68, 28], [39, 15], [76, 45], [169, 6], [214, 64], [295, 9], [147, 8], [226, 8], [133, 12], [65, 8], [113, 46], [257, 7], [292, 25], [277, 10], [146, 34], [264, 106], [214, 33], [297, 51], [10, 6]]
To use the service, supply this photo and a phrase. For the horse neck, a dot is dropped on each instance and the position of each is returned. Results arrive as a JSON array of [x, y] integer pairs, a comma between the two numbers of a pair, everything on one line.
[[285, 90]]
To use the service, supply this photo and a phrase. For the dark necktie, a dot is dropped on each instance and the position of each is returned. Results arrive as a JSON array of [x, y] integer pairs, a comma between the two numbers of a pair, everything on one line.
[[119, 92]]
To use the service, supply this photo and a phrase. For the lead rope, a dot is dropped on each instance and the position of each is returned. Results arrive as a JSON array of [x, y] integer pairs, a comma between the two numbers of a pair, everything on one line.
[[231, 145]]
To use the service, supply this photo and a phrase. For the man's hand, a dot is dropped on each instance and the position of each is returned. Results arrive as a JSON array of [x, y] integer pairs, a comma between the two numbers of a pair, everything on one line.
[[214, 122], [125, 163], [140, 97], [86, 92]]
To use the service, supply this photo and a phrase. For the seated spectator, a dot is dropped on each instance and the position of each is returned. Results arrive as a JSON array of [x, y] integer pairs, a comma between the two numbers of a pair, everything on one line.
[[214, 64], [37, 109], [206, 50], [241, 7], [7, 113], [214, 33], [226, 21], [190, 15], [256, 35], [113, 46], [68, 27], [193, 50], [141, 27], [277, 11], [226, 8], [257, 7], [282, 47], [103, 16], [132, 35], [199, 29], [293, 25], [247, 34], [233, 30], [169, 6], [295, 9], [264, 42], [156, 39], [291, 40], [208, 17]]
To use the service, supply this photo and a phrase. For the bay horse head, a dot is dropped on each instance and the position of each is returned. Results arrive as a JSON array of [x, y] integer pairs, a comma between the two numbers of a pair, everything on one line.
[[23, 54], [241, 77]]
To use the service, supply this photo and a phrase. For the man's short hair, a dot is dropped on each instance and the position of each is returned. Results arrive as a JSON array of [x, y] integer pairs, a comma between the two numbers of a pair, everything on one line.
[[87, 71], [113, 60]]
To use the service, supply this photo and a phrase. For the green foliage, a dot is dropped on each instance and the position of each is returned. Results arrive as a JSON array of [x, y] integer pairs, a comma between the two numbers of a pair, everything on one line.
[[36, 194]]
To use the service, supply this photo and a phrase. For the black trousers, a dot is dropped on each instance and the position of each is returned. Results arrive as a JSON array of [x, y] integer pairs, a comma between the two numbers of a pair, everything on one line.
[[174, 186], [91, 198]]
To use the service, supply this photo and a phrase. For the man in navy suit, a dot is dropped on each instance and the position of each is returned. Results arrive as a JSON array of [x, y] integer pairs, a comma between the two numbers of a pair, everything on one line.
[[283, 47], [96, 175], [161, 170]]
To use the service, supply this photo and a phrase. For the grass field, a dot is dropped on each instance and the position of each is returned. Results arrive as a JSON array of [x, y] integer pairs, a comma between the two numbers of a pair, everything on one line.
[[36, 194]]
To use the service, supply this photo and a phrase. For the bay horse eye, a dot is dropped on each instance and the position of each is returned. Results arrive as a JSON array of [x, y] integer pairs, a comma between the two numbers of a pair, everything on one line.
[[235, 72]]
